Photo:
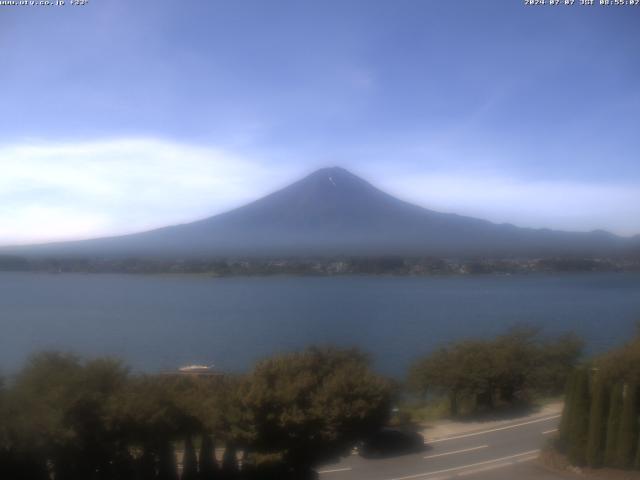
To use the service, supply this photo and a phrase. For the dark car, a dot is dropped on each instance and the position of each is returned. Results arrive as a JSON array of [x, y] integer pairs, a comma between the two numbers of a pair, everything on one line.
[[389, 442]]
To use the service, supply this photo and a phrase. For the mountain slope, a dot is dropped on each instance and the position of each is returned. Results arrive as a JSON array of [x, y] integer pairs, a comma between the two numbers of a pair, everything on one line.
[[333, 212]]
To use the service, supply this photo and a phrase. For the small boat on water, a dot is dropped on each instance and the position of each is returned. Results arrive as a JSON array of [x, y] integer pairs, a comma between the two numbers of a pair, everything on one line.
[[199, 370]]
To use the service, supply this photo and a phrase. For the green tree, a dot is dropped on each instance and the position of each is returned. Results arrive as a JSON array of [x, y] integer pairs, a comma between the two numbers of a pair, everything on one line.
[[565, 421], [506, 370], [579, 420], [462, 371], [556, 359], [61, 409], [229, 468], [515, 357], [613, 425], [146, 466], [167, 469], [207, 461], [627, 434], [623, 364], [189, 461], [597, 422], [18, 458], [151, 414], [314, 405]]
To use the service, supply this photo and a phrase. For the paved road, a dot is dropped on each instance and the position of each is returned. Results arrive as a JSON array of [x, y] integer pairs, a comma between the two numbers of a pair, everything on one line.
[[505, 452]]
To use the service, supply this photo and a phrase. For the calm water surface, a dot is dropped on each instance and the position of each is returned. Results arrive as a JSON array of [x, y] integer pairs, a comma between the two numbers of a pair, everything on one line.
[[159, 322]]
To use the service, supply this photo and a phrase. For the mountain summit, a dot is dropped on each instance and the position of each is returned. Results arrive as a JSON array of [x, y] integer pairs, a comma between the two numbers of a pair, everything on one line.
[[334, 212]]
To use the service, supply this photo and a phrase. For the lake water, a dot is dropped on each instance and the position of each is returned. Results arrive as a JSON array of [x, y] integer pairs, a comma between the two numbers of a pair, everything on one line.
[[162, 322]]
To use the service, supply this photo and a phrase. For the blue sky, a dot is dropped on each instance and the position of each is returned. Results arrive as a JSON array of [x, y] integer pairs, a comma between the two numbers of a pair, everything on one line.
[[120, 116]]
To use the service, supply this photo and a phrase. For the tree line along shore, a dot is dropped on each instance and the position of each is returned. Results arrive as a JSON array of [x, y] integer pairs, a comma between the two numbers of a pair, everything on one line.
[[70, 418], [368, 265]]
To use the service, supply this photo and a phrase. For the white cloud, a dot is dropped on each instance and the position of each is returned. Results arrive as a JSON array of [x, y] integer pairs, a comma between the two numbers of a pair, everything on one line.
[[564, 205], [55, 191]]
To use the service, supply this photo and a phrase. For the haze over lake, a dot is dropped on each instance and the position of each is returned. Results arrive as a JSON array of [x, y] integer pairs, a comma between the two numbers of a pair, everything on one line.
[[163, 322]]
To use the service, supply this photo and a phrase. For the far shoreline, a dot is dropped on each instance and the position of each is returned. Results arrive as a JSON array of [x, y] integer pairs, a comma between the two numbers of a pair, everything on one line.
[[213, 276], [381, 265]]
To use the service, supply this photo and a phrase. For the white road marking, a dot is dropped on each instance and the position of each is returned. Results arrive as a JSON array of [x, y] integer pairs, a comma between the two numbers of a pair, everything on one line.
[[334, 470], [484, 469], [547, 432], [493, 430], [462, 467], [457, 451], [526, 459]]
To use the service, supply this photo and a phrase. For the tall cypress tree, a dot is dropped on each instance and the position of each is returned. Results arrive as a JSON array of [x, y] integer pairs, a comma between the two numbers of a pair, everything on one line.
[[208, 464], [579, 418], [564, 432], [613, 425], [189, 461], [597, 422], [628, 431]]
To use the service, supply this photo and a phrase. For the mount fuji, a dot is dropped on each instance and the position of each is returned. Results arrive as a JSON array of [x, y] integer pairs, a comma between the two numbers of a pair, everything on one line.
[[334, 212]]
